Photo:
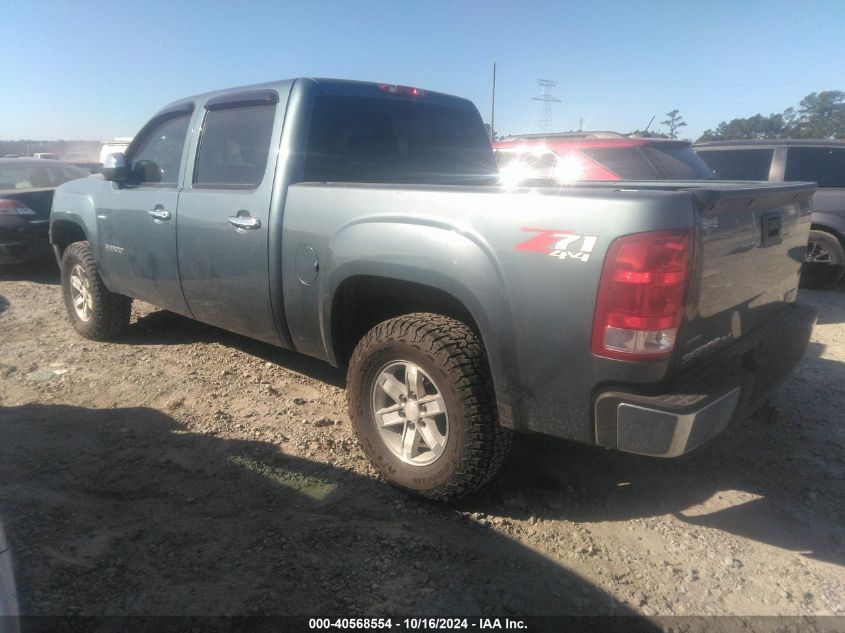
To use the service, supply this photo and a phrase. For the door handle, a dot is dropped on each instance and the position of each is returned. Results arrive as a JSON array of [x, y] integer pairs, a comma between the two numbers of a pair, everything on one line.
[[159, 214], [243, 221]]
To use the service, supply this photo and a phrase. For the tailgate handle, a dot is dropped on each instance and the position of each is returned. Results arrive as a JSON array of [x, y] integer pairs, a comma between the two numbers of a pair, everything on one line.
[[771, 229]]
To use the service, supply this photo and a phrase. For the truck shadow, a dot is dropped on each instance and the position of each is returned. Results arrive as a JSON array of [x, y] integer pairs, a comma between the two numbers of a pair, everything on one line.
[[124, 511], [167, 328], [830, 303], [777, 478]]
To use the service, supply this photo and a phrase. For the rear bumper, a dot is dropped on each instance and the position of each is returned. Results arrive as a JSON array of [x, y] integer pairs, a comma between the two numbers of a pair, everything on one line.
[[23, 243], [702, 401]]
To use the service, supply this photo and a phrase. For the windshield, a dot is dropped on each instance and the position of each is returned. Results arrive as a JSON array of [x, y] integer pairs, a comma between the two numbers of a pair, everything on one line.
[[30, 176]]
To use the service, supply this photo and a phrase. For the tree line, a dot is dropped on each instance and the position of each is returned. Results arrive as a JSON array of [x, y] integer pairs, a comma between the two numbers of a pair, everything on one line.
[[818, 115]]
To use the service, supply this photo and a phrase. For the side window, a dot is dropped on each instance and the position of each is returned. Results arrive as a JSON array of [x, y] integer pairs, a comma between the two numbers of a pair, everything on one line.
[[234, 146], [823, 165], [739, 164], [158, 156]]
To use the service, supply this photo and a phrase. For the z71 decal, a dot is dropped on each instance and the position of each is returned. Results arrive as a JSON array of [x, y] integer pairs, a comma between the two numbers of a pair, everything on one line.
[[559, 243]]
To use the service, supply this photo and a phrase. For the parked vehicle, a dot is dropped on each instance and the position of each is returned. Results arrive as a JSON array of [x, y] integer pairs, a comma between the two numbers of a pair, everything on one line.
[[560, 159], [26, 194], [46, 156], [362, 224], [781, 160]]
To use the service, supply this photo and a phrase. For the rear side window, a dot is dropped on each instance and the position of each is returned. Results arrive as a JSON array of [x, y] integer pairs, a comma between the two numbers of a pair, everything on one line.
[[234, 147], [650, 162], [823, 165], [739, 164], [362, 139]]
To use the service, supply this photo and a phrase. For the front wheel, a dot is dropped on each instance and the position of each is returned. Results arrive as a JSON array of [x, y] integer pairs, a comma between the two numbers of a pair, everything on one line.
[[422, 403], [825, 262], [93, 311]]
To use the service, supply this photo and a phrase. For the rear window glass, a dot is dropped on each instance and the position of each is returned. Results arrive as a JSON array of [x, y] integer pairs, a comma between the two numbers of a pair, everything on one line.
[[823, 165], [739, 164], [650, 162], [29, 176], [234, 147], [527, 164], [361, 139]]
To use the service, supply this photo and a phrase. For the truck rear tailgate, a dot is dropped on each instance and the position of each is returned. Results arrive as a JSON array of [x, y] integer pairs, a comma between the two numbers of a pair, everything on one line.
[[751, 239]]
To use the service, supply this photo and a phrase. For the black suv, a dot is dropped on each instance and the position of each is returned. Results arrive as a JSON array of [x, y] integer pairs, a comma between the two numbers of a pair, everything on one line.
[[822, 162]]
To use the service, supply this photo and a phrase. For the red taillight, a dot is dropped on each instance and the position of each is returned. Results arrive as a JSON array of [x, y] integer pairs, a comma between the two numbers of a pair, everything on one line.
[[408, 91], [13, 207], [641, 295]]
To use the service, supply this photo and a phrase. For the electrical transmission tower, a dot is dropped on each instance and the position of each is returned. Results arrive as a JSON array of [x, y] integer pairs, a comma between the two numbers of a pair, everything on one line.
[[546, 99]]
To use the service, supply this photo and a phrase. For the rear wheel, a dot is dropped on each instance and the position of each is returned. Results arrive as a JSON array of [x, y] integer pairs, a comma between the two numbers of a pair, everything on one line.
[[422, 403], [94, 312], [825, 262]]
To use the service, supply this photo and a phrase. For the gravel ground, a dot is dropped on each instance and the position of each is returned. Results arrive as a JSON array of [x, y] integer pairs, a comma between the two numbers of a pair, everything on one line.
[[185, 470]]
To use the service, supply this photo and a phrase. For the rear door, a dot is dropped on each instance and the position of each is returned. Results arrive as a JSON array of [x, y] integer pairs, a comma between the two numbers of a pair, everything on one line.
[[136, 221], [224, 213]]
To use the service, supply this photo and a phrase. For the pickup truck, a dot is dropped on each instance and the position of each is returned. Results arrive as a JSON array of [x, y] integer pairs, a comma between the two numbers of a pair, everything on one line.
[[363, 224]]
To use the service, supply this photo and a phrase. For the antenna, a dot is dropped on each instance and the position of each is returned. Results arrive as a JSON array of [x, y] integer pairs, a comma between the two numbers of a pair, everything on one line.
[[493, 107], [544, 117]]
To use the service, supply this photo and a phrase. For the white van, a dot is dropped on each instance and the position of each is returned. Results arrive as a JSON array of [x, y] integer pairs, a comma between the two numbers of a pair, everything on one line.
[[117, 144]]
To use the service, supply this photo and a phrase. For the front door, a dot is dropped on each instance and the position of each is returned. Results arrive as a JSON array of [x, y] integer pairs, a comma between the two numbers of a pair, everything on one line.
[[223, 219], [136, 222]]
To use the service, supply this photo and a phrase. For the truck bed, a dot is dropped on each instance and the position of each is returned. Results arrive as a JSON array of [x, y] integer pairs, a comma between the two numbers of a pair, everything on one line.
[[535, 311]]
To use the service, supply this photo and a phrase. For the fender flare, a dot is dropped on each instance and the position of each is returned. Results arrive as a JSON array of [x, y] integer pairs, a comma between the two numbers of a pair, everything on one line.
[[440, 256]]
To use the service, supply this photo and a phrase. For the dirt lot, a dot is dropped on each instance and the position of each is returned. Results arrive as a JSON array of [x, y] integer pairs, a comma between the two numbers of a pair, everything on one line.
[[184, 470]]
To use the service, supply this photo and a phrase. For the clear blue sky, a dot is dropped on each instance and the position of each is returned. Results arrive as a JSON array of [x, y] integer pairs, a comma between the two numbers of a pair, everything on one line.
[[93, 70]]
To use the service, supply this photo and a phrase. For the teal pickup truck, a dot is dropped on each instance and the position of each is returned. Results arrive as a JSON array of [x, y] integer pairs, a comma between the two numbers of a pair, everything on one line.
[[364, 224]]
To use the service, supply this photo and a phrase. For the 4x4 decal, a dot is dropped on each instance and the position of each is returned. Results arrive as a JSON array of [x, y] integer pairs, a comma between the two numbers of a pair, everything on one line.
[[559, 243]]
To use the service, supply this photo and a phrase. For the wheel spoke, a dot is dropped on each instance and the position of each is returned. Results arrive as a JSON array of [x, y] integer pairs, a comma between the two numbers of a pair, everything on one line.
[[389, 416], [817, 254], [434, 404], [76, 282], [391, 386], [79, 302], [431, 435], [414, 381], [410, 442]]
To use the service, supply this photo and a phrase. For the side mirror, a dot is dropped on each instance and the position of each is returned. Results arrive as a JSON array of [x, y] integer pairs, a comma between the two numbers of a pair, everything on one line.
[[115, 168]]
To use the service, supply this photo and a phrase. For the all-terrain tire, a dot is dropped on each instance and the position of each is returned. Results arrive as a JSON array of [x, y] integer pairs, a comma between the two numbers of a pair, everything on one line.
[[828, 269], [454, 358], [107, 312]]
